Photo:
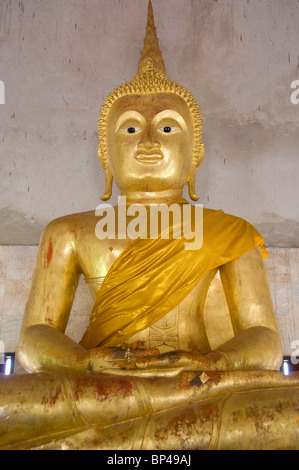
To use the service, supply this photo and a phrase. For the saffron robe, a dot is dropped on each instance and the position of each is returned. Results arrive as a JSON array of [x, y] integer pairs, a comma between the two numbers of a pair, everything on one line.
[[153, 276]]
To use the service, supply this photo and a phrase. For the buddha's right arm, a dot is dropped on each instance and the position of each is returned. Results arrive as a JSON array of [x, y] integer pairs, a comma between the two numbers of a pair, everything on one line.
[[45, 349], [43, 346]]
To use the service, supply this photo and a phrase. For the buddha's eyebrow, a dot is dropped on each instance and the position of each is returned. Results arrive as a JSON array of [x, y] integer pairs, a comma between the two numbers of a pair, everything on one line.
[[128, 115], [170, 114]]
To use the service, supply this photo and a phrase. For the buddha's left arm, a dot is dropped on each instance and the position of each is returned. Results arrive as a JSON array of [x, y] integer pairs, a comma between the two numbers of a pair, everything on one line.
[[257, 343]]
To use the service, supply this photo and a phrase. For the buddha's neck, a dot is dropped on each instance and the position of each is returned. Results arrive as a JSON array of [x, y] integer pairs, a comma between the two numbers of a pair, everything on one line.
[[159, 197]]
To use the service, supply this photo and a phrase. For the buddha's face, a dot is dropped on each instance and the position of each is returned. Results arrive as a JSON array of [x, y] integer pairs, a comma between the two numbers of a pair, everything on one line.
[[150, 142]]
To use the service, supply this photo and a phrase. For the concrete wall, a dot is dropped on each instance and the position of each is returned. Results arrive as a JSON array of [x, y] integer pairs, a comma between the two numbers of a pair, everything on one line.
[[60, 58]]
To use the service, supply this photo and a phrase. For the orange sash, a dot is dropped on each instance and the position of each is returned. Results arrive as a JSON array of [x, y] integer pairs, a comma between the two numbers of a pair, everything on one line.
[[151, 277]]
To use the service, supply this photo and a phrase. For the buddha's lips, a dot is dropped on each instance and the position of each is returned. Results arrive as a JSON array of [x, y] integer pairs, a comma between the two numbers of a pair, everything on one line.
[[149, 158]]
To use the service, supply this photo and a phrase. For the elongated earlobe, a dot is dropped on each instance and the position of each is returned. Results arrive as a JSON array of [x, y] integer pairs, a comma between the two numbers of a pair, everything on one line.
[[108, 176], [192, 184], [193, 173], [108, 186]]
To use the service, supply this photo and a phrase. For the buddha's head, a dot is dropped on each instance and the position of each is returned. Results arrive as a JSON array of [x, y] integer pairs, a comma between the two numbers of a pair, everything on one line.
[[150, 130]]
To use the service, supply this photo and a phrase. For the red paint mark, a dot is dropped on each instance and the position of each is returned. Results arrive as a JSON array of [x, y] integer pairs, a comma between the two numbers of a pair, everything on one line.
[[78, 69], [77, 392], [193, 347], [178, 424], [214, 379], [184, 385], [49, 254], [74, 231], [70, 61], [103, 387], [117, 386], [52, 397], [84, 135]]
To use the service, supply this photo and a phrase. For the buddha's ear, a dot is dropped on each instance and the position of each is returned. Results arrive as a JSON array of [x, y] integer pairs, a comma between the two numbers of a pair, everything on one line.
[[108, 176], [197, 159]]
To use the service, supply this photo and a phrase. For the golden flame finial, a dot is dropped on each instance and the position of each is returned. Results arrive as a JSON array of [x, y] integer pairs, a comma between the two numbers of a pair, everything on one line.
[[151, 56]]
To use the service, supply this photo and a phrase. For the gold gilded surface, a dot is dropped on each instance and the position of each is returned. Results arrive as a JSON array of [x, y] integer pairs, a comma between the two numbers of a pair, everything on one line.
[[183, 349]]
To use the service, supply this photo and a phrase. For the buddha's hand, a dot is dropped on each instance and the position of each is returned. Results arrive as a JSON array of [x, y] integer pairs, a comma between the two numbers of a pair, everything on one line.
[[104, 360], [183, 360]]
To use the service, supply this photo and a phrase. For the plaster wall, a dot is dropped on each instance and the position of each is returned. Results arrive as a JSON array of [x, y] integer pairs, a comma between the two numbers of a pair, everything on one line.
[[60, 58]]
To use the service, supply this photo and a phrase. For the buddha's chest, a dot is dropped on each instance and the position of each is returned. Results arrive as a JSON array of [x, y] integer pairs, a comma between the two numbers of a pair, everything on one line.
[[182, 328]]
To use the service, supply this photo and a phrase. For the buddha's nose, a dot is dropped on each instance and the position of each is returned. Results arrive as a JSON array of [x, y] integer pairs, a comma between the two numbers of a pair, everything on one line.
[[148, 139]]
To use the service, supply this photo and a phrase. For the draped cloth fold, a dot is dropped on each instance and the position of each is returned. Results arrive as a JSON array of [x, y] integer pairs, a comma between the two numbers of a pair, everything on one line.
[[152, 276]]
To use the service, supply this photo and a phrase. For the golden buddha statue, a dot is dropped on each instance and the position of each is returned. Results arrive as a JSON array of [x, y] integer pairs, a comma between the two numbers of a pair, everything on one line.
[[183, 349]]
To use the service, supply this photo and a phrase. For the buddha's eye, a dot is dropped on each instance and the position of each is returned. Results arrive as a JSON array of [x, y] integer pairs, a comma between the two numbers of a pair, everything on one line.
[[132, 130], [168, 129], [129, 130]]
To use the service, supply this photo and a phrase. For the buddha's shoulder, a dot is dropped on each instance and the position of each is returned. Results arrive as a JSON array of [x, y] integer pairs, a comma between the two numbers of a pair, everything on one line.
[[220, 219], [71, 225], [220, 214]]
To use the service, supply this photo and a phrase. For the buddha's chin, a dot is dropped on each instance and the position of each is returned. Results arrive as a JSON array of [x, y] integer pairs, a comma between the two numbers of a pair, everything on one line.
[[148, 184]]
